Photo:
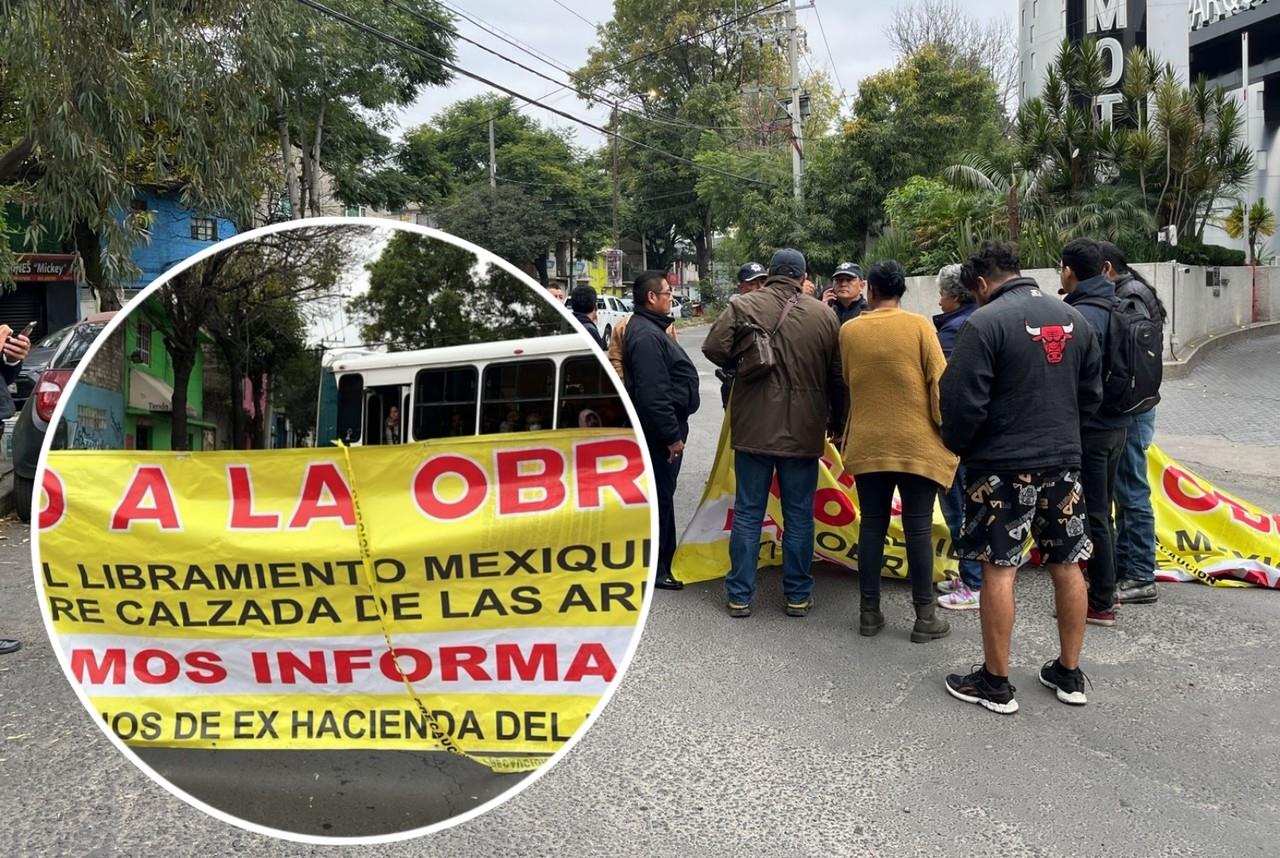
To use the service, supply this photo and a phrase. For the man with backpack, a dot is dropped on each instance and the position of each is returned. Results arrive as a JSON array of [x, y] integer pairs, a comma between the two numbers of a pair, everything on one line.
[[1135, 519], [1102, 436]]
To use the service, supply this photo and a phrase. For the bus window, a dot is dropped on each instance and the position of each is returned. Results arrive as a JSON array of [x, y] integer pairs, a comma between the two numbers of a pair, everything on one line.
[[444, 403], [518, 396], [350, 406], [384, 421], [588, 396]]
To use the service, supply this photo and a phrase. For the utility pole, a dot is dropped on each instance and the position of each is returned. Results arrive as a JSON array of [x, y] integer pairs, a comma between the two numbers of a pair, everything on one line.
[[793, 59], [493, 162], [1248, 140], [614, 123]]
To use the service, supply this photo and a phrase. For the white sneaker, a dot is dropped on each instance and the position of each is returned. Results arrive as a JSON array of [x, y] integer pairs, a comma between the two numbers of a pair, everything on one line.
[[948, 585], [961, 598]]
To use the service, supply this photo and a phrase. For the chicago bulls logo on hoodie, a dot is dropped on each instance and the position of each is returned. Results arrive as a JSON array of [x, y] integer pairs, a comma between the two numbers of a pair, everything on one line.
[[1052, 337]]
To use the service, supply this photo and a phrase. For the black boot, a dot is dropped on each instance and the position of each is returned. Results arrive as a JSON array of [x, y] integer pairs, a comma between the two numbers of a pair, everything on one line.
[[871, 621], [929, 626]]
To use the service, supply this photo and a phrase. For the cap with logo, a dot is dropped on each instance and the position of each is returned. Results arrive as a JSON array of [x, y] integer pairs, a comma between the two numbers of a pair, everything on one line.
[[848, 269], [751, 271]]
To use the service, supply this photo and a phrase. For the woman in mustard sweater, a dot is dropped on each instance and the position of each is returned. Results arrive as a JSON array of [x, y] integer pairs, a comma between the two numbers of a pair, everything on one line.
[[892, 363]]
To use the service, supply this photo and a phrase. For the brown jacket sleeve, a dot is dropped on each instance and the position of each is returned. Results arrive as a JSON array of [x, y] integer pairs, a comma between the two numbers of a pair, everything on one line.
[[718, 346], [615, 346]]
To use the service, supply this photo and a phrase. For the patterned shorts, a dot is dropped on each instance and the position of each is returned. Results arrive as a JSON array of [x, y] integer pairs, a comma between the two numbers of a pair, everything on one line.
[[1004, 513]]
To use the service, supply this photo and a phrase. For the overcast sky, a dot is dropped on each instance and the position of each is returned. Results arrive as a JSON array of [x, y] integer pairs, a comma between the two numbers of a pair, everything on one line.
[[854, 31]]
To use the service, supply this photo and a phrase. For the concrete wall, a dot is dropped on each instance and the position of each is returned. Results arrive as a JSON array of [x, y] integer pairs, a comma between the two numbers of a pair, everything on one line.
[[1197, 311]]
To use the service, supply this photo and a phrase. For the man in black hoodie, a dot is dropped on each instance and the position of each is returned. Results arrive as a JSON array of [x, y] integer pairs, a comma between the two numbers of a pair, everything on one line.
[[1025, 370], [1102, 437], [663, 385], [582, 301]]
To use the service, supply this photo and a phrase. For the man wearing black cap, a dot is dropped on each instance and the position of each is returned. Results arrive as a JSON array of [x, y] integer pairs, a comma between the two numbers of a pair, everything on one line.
[[846, 293], [751, 277], [780, 422]]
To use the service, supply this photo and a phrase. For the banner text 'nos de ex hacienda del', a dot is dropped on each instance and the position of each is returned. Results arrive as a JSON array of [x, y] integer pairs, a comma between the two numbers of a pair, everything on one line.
[[476, 595]]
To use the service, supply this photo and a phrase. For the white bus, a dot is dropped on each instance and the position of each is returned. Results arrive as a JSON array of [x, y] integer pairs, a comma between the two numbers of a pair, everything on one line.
[[477, 389]]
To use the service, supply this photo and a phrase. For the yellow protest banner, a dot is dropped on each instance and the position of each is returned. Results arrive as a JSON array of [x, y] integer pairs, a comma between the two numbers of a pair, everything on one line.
[[469, 594], [1202, 533]]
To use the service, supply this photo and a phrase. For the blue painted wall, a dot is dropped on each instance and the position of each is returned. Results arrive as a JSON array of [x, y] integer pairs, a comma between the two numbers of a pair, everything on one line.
[[171, 240], [95, 418]]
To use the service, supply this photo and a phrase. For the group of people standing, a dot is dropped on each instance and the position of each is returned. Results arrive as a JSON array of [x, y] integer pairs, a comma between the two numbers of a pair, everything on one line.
[[1001, 407]]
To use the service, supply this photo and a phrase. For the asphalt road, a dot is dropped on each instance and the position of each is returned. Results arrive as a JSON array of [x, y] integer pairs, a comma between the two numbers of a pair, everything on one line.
[[782, 736]]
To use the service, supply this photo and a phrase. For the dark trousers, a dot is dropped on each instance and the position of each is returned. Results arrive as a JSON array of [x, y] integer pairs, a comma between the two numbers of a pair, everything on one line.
[[1100, 459], [875, 499], [664, 479]]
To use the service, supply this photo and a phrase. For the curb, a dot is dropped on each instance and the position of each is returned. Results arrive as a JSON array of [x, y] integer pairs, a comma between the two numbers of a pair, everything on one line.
[[1181, 368]]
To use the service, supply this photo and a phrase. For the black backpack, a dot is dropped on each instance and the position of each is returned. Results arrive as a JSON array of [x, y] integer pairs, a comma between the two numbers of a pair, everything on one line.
[[1132, 357]]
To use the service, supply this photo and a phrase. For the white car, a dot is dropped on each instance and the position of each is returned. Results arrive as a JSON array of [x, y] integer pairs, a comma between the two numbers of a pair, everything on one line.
[[609, 312], [677, 308]]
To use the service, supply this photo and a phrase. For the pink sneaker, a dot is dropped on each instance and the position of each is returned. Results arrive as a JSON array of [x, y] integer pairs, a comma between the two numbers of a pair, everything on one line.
[[961, 598], [948, 585]]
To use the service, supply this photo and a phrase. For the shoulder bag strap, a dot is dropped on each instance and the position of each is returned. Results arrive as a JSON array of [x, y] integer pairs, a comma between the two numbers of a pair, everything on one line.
[[791, 303]]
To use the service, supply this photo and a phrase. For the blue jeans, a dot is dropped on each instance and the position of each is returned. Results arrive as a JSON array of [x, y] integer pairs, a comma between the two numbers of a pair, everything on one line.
[[797, 481], [952, 503], [1135, 522]]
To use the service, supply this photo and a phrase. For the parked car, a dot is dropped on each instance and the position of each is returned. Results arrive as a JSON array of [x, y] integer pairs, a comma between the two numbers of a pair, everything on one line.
[[609, 312], [37, 411], [677, 308], [628, 304], [37, 361]]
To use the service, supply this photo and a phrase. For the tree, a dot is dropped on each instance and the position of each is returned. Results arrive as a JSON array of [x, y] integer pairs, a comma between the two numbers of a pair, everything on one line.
[[975, 44], [929, 215], [124, 92], [1262, 224], [548, 189], [425, 293], [331, 101], [683, 62]]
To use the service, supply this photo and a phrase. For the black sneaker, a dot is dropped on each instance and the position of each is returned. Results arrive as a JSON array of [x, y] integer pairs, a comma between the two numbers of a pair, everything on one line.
[[668, 582], [799, 609], [1130, 592], [979, 688], [738, 610], [1068, 683]]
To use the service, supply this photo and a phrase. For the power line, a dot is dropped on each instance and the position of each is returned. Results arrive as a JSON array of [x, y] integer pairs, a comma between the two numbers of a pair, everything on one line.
[[830, 57], [395, 40], [580, 17]]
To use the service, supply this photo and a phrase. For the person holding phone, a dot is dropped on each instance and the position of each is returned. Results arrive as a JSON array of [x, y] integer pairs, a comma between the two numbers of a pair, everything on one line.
[[12, 354]]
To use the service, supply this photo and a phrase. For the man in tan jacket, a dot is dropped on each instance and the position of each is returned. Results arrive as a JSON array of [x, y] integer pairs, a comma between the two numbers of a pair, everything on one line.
[[779, 424]]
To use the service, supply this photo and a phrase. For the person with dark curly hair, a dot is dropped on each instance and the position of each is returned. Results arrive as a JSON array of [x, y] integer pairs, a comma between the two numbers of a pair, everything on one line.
[[892, 364]]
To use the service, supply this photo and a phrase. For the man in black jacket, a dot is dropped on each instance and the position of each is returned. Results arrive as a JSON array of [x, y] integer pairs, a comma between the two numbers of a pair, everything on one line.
[[582, 301], [663, 385], [1102, 436], [847, 293], [12, 354], [1025, 370]]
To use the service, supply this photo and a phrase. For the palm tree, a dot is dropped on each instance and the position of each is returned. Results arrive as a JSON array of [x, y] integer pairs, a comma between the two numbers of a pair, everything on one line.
[[1019, 193], [1262, 224]]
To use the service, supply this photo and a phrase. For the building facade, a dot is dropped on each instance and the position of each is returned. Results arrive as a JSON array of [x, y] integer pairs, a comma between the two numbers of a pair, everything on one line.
[[1199, 38]]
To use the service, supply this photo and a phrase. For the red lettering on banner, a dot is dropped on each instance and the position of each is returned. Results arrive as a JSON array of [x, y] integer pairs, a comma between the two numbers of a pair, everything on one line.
[[391, 666], [322, 477], [1174, 478], [87, 668], [292, 665], [345, 662], [509, 656], [548, 481], [592, 659], [424, 487], [111, 665], [242, 515], [205, 667], [468, 658], [592, 480], [845, 512], [170, 669], [55, 505], [1173, 481], [149, 481]]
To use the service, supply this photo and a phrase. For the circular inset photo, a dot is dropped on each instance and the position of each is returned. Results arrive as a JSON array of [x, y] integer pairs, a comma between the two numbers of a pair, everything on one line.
[[343, 529]]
